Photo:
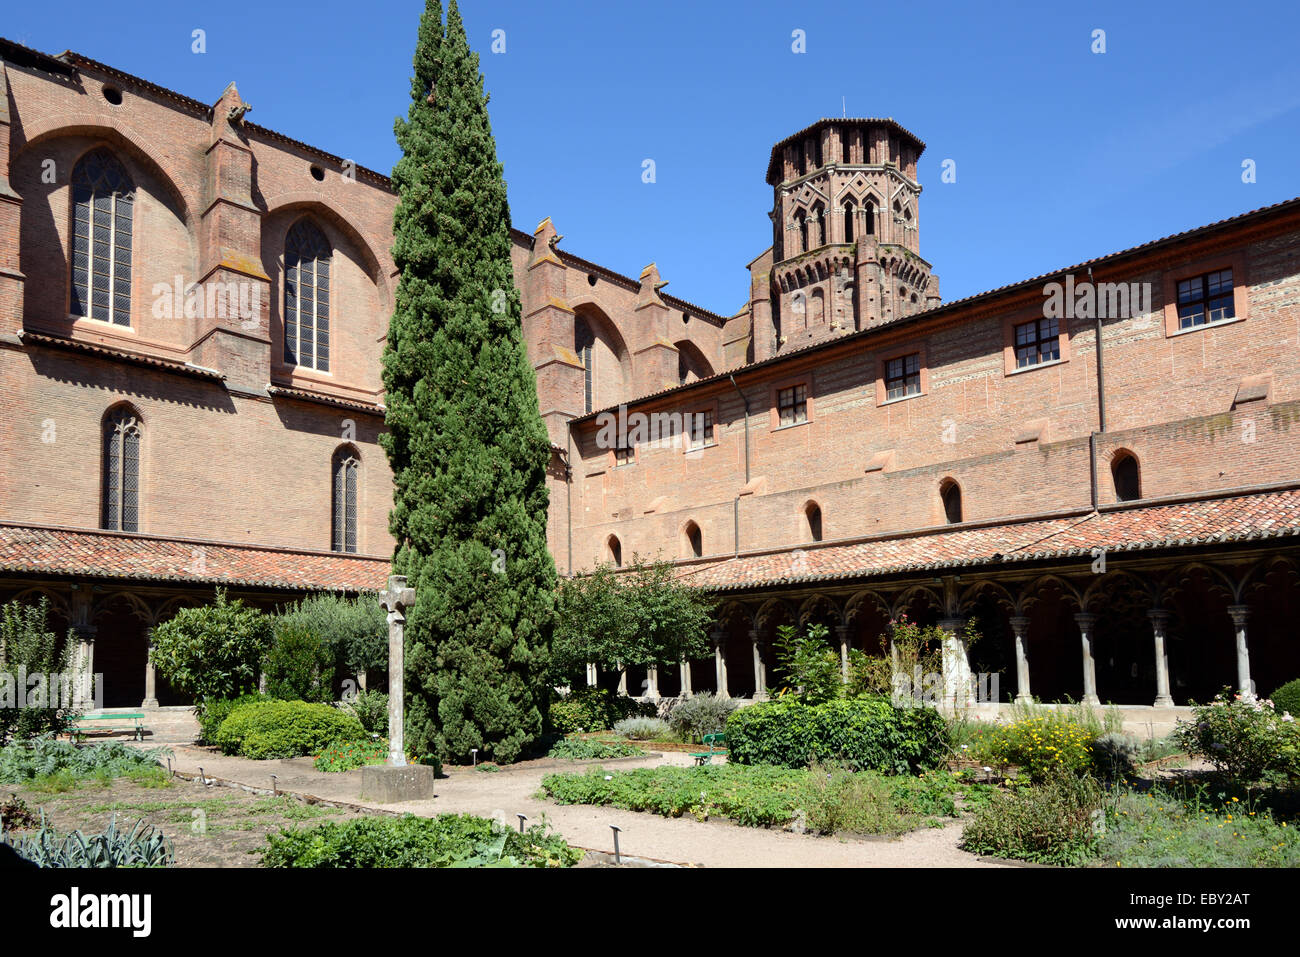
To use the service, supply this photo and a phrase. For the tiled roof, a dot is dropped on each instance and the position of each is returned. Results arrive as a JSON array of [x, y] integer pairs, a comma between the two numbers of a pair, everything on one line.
[[94, 554], [1180, 524], [320, 397], [98, 349], [774, 163]]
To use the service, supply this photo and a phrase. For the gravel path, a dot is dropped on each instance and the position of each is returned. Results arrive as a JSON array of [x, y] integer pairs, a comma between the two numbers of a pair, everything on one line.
[[684, 841]]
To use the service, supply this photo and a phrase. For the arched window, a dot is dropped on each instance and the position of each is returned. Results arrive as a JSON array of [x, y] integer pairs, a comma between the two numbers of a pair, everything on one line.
[[122, 470], [103, 198], [1127, 476], [817, 226], [813, 515], [583, 340], [694, 540], [801, 222], [615, 551], [307, 297], [850, 211], [869, 218], [950, 492], [850, 306], [345, 467]]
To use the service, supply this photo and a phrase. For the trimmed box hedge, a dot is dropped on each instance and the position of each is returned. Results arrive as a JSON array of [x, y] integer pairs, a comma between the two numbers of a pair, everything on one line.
[[867, 734], [285, 729]]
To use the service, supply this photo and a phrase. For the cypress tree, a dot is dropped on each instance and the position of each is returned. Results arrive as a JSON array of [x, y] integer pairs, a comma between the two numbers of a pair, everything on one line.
[[465, 438]]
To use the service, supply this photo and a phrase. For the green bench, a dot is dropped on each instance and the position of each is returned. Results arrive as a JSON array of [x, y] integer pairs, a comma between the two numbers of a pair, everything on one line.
[[87, 723], [713, 743]]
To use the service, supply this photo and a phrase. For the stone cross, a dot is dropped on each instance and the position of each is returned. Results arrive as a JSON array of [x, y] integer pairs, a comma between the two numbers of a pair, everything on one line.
[[395, 600]]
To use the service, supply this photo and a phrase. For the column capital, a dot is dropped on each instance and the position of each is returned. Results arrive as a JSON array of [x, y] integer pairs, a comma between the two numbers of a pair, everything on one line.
[[841, 631], [1159, 616], [952, 624], [1239, 614], [1085, 619], [1019, 624]]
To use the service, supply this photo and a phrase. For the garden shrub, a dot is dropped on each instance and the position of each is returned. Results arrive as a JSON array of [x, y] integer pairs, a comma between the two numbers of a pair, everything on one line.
[[300, 664], [1114, 755], [836, 800], [285, 729], [692, 718], [28, 647], [43, 757], [1041, 745], [1287, 698], [595, 709], [643, 729], [142, 846], [355, 630], [866, 734], [212, 711], [1058, 822], [580, 749], [212, 651], [1243, 737], [347, 755], [371, 709], [449, 840]]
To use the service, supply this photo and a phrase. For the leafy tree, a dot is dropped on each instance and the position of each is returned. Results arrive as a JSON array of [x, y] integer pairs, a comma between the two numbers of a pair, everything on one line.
[[465, 437], [28, 648], [810, 664], [640, 616], [354, 629], [214, 650], [300, 664]]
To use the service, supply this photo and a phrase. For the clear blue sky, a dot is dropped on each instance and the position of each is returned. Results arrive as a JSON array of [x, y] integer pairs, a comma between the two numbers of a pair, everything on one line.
[[1061, 154]]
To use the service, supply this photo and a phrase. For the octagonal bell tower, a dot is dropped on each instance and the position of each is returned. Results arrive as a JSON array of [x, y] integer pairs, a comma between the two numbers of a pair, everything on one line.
[[845, 233]]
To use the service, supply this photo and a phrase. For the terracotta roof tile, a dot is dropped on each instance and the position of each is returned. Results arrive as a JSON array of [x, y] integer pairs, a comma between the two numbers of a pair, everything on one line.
[[1209, 521], [95, 554]]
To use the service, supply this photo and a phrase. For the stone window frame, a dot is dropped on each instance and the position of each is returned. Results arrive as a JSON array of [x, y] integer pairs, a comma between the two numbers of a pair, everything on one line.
[[128, 198], [1020, 318], [1169, 280], [120, 419], [345, 459], [774, 397], [898, 352]]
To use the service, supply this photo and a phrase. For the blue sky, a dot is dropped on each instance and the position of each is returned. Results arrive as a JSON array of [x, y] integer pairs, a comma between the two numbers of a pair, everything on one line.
[[1061, 154]]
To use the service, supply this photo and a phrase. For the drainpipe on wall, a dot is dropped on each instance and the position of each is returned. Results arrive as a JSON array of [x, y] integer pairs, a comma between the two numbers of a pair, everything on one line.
[[1101, 401], [568, 490], [735, 505]]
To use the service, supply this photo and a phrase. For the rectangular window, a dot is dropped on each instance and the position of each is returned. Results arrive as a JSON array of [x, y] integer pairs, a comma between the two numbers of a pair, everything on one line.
[[1205, 299], [700, 432], [792, 405], [624, 455], [903, 376], [1037, 342]]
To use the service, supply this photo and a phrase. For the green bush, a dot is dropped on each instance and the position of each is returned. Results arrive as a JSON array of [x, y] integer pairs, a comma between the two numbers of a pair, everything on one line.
[[1286, 699], [300, 664], [594, 709], [1041, 745], [692, 718], [581, 749], [26, 646], [285, 729], [448, 840], [212, 651], [1243, 737], [1058, 822], [355, 630], [371, 709], [142, 846], [22, 761], [346, 755], [1114, 756], [210, 712], [643, 729], [866, 734]]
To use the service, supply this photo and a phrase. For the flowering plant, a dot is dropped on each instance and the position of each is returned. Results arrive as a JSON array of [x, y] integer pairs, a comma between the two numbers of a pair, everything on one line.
[[1242, 736]]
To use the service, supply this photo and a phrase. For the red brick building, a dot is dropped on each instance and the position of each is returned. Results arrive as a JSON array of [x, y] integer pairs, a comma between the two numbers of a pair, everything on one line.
[[192, 314]]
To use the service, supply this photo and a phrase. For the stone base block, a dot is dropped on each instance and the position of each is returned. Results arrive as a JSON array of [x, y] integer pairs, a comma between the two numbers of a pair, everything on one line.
[[389, 785]]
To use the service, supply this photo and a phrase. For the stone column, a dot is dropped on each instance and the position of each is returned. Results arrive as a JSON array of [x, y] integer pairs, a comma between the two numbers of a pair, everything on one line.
[[1159, 622], [1020, 628], [720, 660], [395, 600], [686, 678], [1240, 613], [842, 633], [652, 682], [361, 680], [592, 676], [622, 679], [1086, 623], [956, 663], [760, 669], [88, 693], [150, 682]]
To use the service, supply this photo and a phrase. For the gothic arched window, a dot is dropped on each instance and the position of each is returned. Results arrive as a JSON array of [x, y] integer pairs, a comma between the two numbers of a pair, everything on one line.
[[346, 467], [1127, 476], [950, 492], [850, 211], [583, 341], [307, 297], [103, 198], [122, 470]]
